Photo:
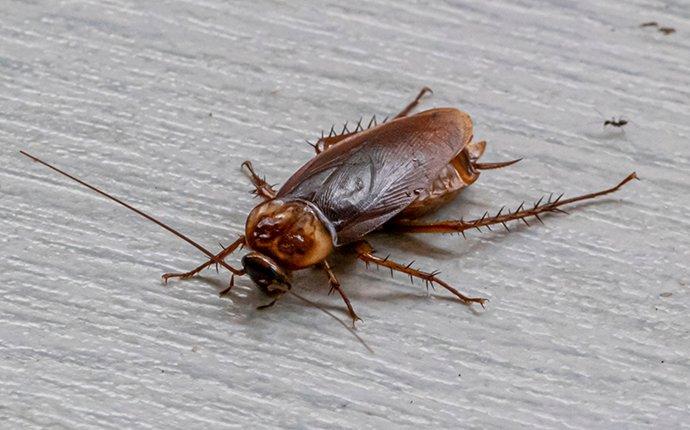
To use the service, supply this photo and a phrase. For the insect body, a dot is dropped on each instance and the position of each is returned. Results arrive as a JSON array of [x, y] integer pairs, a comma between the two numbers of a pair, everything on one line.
[[620, 122], [381, 178]]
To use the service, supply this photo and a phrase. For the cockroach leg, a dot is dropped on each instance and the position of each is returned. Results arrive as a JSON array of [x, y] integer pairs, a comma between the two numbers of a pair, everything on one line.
[[335, 285], [333, 137], [489, 166], [413, 103], [263, 188], [521, 213], [326, 142], [215, 260], [365, 252], [266, 306], [230, 286]]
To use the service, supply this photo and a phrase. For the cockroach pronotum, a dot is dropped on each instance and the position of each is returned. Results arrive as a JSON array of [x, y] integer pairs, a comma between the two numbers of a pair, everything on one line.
[[383, 176]]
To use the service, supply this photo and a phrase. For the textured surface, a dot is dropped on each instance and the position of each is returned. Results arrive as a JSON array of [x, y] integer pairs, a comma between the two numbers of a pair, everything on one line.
[[588, 321]]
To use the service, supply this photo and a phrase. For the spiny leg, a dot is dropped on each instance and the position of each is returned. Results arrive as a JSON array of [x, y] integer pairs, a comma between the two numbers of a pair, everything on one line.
[[334, 137], [265, 191], [413, 103], [521, 213], [366, 253], [263, 188], [335, 285], [215, 260]]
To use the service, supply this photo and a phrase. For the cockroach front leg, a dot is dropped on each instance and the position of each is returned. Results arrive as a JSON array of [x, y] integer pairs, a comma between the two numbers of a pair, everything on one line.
[[521, 213], [335, 285], [366, 253], [262, 188], [217, 258]]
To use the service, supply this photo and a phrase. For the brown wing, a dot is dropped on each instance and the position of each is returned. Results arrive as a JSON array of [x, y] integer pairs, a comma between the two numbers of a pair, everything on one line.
[[368, 178]]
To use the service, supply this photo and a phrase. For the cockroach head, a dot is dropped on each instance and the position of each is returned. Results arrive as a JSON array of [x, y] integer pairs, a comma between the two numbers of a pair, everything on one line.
[[292, 233], [266, 274]]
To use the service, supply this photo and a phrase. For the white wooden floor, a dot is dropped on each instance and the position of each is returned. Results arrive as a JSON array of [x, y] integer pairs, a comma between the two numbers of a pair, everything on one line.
[[588, 324]]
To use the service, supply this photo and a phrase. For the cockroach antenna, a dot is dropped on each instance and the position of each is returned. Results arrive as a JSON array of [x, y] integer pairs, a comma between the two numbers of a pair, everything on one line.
[[143, 214], [214, 259], [327, 312]]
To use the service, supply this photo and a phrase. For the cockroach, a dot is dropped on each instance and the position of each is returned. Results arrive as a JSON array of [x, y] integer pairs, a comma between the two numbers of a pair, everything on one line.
[[383, 176]]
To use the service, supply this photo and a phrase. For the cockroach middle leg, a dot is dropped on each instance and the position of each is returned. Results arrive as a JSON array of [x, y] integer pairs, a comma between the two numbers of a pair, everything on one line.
[[413, 103], [365, 252], [521, 213], [334, 136], [215, 260], [335, 285], [263, 188]]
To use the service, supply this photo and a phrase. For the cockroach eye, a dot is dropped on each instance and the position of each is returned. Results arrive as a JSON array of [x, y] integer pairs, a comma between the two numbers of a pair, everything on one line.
[[266, 274]]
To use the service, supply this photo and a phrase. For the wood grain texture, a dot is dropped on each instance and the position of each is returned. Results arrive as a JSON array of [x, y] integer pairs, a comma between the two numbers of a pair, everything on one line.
[[588, 323]]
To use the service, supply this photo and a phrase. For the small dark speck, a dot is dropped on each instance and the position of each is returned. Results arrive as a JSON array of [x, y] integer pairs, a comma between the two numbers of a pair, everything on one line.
[[162, 371], [411, 401], [210, 114], [459, 374], [666, 294], [662, 361]]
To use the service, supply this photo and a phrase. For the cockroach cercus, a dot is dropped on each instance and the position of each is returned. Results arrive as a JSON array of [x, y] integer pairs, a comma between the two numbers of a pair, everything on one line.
[[383, 176]]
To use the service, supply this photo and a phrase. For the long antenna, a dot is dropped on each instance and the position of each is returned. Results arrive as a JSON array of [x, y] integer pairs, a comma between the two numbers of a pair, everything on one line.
[[145, 215], [327, 312]]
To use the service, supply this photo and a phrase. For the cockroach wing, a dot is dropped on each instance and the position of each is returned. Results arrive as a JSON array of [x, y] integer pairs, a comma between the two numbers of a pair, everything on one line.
[[368, 178]]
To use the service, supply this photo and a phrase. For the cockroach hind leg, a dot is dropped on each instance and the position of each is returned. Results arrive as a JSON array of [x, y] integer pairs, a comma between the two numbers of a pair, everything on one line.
[[413, 103], [522, 213]]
